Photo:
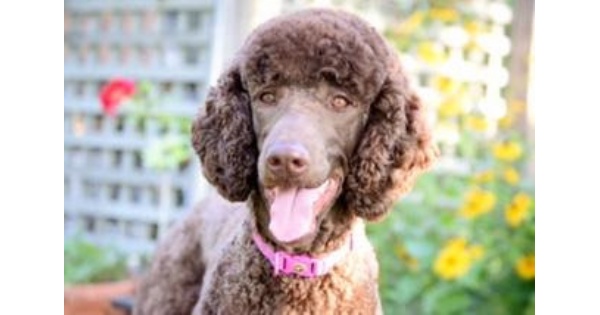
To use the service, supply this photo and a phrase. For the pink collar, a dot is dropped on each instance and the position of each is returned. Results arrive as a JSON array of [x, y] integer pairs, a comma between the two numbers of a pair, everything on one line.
[[301, 265]]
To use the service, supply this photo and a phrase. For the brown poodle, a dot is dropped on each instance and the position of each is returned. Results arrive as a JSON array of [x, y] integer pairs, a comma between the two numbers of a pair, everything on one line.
[[315, 128]]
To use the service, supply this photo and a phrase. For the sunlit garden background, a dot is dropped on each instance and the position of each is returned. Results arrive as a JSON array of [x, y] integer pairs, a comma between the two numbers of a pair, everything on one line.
[[463, 242]]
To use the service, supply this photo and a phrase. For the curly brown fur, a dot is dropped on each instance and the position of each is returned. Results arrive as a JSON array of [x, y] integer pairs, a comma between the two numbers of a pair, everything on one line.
[[222, 139], [395, 147], [339, 107], [172, 285]]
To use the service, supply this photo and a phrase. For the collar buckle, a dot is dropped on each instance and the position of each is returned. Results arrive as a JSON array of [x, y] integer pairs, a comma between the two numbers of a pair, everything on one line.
[[300, 265]]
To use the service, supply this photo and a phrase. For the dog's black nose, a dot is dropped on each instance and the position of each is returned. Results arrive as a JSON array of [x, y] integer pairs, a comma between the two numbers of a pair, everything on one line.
[[287, 159]]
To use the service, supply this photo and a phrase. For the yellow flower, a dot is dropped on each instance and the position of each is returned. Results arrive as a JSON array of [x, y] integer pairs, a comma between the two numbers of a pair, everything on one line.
[[446, 85], [453, 261], [525, 267], [514, 214], [451, 106], [511, 176], [431, 53], [477, 123], [457, 243], [444, 14], [507, 151], [517, 210], [506, 122], [477, 202], [412, 23], [484, 177], [522, 199], [473, 27], [472, 47]]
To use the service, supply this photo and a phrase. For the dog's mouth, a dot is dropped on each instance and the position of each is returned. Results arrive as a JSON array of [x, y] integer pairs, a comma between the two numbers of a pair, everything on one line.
[[294, 211]]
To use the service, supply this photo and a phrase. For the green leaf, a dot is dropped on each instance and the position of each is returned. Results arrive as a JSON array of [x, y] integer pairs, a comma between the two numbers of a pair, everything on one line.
[[87, 263]]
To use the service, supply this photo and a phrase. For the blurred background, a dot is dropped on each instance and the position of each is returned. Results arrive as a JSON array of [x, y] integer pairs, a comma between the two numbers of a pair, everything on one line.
[[136, 72]]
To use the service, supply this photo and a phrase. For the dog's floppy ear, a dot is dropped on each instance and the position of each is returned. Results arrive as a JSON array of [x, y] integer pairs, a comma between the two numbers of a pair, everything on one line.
[[223, 137], [396, 146]]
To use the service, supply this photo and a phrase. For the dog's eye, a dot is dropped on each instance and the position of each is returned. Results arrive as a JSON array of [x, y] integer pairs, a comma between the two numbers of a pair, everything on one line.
[[340, 102], [267, 97]]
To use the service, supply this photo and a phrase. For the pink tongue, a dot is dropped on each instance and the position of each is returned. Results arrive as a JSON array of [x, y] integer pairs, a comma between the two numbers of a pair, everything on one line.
[[293, 212]]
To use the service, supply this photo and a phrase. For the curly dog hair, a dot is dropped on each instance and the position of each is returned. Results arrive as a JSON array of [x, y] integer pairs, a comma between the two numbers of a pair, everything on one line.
[[311, 130]]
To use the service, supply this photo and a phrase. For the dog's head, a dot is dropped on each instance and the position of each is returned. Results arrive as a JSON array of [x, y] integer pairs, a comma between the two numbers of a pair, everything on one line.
[[316, 120]]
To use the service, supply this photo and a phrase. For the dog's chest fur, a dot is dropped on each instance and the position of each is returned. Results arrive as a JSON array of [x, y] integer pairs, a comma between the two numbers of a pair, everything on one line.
[[241, 281]]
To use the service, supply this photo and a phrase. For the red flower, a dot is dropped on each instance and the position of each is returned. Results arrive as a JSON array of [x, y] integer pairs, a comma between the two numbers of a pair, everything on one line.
[[114, 93]]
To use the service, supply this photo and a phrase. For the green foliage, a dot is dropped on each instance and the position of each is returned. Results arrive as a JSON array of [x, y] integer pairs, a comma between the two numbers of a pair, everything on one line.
[[88, 263], [170, 148], [410, 239]]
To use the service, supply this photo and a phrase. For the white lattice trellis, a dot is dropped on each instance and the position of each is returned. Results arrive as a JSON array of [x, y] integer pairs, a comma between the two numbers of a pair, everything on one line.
[[110, 194]]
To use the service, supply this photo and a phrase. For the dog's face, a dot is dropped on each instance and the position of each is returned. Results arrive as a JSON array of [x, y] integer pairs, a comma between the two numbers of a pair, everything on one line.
[[305, 136], [316, 121]]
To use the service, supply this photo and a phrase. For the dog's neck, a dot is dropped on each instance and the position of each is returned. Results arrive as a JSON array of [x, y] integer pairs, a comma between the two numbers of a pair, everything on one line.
[[333, 231]]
